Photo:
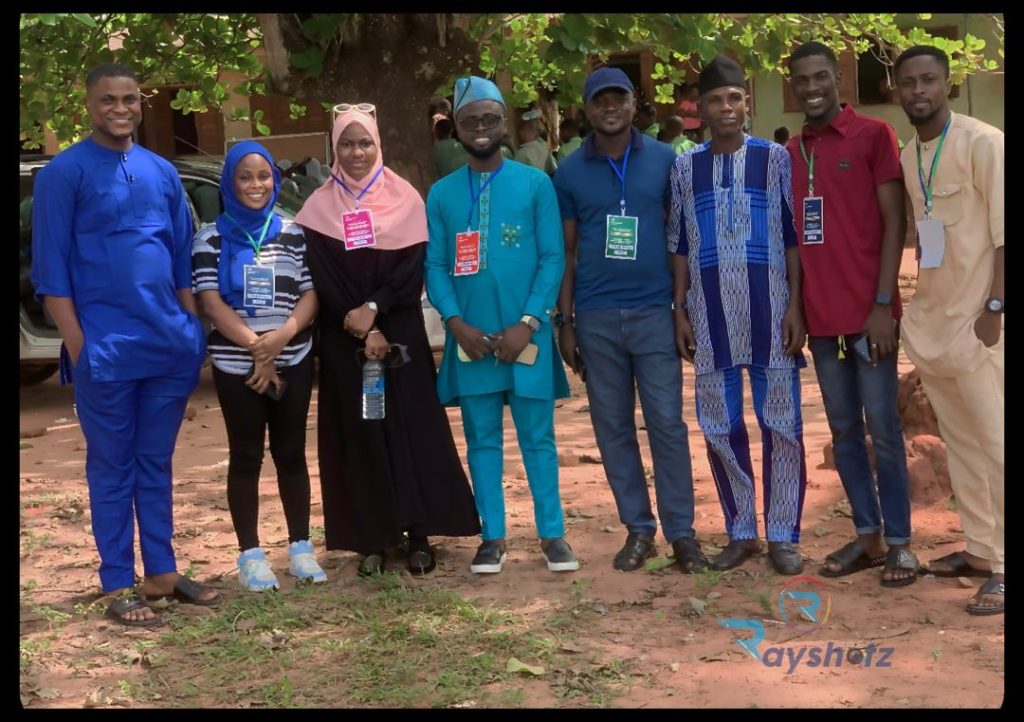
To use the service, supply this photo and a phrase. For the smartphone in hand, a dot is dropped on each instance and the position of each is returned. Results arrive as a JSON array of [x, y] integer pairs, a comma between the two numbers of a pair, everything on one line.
[[861, 347], [272, 391]]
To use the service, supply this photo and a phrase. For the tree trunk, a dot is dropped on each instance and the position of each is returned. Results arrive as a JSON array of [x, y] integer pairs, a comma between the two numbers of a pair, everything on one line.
[[396, 62]]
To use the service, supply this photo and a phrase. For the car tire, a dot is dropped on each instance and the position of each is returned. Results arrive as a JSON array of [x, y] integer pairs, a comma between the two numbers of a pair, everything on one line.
[[32, 374]]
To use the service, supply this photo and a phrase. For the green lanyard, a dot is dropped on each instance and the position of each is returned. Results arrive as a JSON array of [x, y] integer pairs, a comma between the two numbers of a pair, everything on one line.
[[810, 166], [927, 188], [256, 245]]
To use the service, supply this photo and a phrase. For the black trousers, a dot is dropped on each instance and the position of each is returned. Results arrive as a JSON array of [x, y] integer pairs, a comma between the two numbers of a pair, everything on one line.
[[247, 415]]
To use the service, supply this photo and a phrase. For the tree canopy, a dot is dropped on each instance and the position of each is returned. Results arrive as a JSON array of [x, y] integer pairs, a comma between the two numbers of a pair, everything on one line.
[[414, 56]]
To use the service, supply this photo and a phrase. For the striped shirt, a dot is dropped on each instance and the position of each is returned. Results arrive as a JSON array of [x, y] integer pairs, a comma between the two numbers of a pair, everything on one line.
[[287, 253], [732, 216]]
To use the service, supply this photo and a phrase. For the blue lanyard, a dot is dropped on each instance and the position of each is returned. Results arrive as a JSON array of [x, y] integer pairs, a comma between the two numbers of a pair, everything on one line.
[[474, 198], [622, 176], [362, 193], [256, 245]]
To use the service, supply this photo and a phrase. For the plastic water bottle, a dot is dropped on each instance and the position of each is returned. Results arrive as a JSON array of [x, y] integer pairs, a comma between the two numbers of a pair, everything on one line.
[[373, 389]]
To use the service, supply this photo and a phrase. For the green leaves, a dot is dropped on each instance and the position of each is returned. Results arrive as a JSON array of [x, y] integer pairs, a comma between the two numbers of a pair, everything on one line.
[[261, 127], [310, 61]]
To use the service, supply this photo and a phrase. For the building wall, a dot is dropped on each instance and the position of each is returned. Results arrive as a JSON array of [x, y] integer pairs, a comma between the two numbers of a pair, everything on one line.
[[981, 96]]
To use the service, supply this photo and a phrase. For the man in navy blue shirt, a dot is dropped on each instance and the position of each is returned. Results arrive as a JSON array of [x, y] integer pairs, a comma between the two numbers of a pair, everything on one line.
[[613, 196], [112, 261]]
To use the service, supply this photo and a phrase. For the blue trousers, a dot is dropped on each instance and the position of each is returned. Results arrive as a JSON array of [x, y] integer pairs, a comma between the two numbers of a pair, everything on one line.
[[628, 351], [777, 407], [852, 390], [482, 416], [130, 429]]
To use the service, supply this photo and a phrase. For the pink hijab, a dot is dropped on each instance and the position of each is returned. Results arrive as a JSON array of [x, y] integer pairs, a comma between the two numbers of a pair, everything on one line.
[[399, 215]]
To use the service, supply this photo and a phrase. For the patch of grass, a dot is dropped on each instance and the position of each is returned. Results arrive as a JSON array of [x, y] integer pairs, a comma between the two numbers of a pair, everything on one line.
[[762, 600], [87, 610], [316, 533], [384, 644], [50, 614], [951, 504], [31, 541], [597, 683], [936, 654], [29, 649], [707, 578]]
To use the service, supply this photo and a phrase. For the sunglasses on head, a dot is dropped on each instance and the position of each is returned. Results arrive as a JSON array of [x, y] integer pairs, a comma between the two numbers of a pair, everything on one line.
[[368, 108], [489, 121]]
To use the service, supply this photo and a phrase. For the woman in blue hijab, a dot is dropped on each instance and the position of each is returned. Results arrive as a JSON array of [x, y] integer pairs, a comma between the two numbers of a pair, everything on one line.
[[249, 273]]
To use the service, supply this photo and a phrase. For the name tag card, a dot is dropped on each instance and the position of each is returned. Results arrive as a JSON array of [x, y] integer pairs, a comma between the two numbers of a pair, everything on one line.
[[621, 237], [467, 253], [358, 229], [814, 221], [258, 289], [931, 242]]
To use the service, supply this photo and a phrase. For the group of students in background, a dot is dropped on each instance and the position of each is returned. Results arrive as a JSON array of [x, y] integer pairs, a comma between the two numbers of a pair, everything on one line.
[[630, 258]]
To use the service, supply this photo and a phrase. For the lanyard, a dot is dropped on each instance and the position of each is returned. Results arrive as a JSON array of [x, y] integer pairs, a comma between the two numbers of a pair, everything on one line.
[[810, 166], [362, 193], [927, 189], [256, 245], [474, 198], [622, 176]]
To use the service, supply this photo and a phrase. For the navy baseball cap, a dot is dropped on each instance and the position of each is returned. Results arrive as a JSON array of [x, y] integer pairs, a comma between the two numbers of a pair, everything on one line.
[[604, 78]]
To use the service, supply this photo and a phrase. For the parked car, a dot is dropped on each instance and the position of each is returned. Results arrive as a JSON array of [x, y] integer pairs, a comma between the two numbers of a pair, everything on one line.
[[40, 342]]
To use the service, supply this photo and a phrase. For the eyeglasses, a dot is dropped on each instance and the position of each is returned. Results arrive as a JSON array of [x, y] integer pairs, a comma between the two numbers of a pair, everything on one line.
[[368, 108], [489, 121]]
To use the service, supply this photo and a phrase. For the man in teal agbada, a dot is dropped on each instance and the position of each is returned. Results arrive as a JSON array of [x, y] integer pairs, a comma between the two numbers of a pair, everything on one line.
[[493, 268]]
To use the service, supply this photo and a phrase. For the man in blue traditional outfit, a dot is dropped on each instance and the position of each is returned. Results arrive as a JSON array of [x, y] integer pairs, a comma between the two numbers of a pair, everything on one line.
[[615, 319], [111, 259], [494, 263], [737, 301]]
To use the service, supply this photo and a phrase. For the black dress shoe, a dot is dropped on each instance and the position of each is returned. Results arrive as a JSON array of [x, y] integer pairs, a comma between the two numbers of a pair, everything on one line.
[[785, 557], [735, 553], [637, 549], [688, 555], [372, 564], [421, 558]]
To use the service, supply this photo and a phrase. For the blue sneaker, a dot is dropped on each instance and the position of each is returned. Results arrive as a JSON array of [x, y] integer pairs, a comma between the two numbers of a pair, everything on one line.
[[254, 571], [303, 564]]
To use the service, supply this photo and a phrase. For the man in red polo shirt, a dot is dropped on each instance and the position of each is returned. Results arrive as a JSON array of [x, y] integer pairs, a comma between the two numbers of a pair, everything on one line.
[[848, 193]]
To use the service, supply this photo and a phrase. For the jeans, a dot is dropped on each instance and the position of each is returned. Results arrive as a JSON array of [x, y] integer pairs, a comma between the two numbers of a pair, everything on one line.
[[626, 351], [853, 390]]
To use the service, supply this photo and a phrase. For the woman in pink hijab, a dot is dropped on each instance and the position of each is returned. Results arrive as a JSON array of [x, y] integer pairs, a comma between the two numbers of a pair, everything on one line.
[[366, 233]]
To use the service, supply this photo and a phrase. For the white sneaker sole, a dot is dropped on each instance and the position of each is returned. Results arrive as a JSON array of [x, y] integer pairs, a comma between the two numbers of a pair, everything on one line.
[[562, 566], [488, 568]]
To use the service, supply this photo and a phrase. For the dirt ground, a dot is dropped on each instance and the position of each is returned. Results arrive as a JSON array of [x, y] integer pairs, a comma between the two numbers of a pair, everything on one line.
[[663, 625]]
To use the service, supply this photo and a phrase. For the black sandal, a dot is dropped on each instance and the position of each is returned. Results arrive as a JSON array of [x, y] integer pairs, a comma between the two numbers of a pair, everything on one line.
[[185, 591], [689, 555], [959, 567], [991, 586], [900, 558], [129, 603], [851, 559]]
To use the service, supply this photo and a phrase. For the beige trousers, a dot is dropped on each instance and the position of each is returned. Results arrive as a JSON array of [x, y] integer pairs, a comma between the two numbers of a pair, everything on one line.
[[971, 414]]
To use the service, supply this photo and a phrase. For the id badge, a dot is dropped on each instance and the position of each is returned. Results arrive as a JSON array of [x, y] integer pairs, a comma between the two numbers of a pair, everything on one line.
[[621, 237], [932, 242], [258, 289], [358, 229], [467, 253], [814, 221]]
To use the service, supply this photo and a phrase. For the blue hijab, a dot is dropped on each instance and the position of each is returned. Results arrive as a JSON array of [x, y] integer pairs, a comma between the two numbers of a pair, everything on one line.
[[232, 225]]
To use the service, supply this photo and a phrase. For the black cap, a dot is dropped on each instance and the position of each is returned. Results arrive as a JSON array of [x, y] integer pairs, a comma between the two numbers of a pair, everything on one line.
[[721, 72]]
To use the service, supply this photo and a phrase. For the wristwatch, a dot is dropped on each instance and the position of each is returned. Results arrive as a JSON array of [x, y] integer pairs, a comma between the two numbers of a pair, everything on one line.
[[994, 305], [558, 319], [679, 306], [532, 321], [883, 299], [372, 305]]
